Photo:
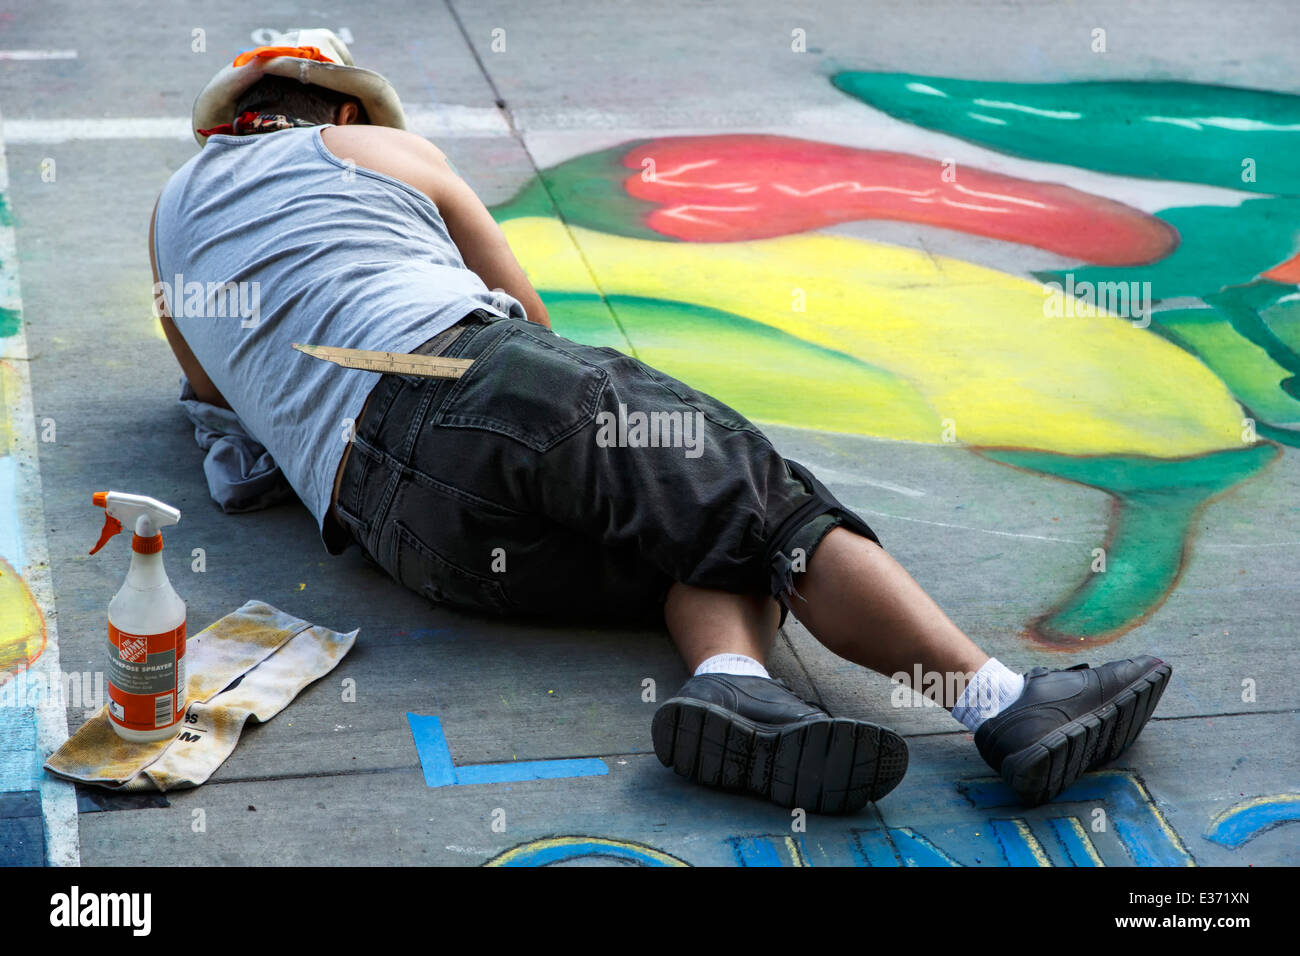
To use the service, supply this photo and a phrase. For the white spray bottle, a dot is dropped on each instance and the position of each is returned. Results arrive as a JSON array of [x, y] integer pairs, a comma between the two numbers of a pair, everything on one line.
[[146, 625]]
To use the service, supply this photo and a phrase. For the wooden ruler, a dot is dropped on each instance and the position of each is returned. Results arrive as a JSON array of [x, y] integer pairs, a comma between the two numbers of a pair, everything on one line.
[[389, 363]]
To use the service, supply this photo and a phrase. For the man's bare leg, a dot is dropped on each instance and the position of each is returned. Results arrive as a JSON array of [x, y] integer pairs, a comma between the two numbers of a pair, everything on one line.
[[862, 604], [705, 622], [857, 600]]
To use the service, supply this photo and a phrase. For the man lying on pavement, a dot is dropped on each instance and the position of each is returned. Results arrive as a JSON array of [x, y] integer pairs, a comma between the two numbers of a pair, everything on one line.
[[358, 234]]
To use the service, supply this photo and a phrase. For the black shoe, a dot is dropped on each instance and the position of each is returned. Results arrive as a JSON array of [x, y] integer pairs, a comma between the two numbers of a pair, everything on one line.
[[753, 733], [1067, 722]]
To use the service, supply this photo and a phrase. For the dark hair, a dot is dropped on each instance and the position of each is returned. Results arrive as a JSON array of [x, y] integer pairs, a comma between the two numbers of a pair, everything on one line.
[[280, 94]]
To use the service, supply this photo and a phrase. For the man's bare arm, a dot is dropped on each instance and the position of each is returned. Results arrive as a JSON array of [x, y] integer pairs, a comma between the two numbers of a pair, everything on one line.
[[421, 165], [204, 390], [483, 245]]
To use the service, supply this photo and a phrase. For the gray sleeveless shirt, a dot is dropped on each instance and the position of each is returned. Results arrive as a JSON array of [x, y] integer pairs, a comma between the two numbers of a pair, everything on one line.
[[267, 240]]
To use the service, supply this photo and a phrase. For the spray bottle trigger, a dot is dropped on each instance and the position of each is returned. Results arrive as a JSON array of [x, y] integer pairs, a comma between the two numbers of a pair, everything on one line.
[[111, 527]]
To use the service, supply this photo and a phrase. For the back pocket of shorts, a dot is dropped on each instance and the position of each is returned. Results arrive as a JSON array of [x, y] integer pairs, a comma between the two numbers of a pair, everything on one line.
[[527, 389], [425, 571]]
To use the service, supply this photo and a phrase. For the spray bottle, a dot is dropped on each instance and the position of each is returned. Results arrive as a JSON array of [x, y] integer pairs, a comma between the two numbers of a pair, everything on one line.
[[146, 625]]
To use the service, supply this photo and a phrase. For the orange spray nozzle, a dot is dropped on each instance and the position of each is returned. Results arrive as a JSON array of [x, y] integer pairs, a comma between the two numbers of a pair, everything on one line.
[[146, 515], [111, 525]]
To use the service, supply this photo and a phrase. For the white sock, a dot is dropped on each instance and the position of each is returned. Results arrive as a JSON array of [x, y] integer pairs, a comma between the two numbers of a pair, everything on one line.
[[737, 664], [993, 688]]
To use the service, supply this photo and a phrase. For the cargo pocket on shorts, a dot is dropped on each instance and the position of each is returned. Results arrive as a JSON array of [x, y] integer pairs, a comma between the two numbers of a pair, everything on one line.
[[425, 571]]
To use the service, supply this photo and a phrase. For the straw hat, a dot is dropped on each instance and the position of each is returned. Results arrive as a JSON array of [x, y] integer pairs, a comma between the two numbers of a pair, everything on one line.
[[317, 57]]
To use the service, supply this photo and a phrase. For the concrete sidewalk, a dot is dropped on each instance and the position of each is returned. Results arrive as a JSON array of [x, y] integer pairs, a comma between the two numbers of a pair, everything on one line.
[[994, 449]]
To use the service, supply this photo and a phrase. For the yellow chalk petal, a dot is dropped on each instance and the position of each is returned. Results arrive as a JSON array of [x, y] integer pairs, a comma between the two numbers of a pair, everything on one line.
[[22, 626], [978, 344]]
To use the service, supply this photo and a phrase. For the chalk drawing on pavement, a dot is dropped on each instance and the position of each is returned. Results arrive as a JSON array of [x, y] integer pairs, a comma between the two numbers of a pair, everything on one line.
[[1244, 821], [31, 802], [692, 251], [439, 770], [550, 851], [1004, 837]]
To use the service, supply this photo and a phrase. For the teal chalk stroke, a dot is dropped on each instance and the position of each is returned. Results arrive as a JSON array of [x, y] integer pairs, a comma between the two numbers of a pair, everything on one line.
[[1219, 247], [11, 320], [1185, 132], [1157, 502]]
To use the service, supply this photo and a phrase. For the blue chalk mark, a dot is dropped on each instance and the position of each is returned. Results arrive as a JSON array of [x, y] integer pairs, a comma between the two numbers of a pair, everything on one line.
[[20, 764], [768, 851], [431, 747], [11, 542], [1141, 828], [1135, 839], [531, 770], [1015, 846], [1074, 841], [755, 851], [1241, 823], [873, 848], [22, 830], [916, 850], [1138, 823], [440, 771], [894, 846], [551, 850]]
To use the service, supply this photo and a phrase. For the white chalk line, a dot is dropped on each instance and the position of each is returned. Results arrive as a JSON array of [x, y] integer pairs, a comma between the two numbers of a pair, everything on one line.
[[449, 121], [846, 478], [38, 54], [962, 527], [1039, 537]]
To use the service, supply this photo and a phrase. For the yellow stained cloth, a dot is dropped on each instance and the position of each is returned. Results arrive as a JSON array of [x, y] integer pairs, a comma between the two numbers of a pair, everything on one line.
[[275, 654]]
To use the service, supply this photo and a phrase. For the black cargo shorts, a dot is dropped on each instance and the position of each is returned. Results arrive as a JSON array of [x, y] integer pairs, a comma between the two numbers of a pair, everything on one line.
[[562, 480]]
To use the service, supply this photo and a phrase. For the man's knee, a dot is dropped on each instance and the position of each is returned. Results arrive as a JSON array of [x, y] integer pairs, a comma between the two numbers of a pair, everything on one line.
[[797, 537]]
